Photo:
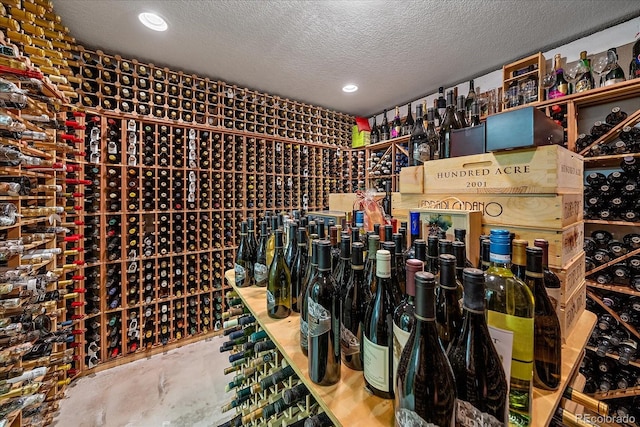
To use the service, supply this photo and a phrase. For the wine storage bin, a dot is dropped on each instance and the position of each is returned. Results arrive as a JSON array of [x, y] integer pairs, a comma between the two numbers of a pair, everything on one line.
[[542, 170], [535, 210]]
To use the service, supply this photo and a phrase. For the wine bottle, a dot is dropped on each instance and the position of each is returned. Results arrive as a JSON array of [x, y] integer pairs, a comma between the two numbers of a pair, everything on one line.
[[432, 265], [271, 240], [448, 294], [342, 271], [370, 264], [261, 272], [433, 139], [511, 315], [324, 322], [560, 88], [244, 269], [403, 315], [615, 74], [299, 269], [399, 262], [377, 346], [547, 337], [310, 274], [449, 123], [519, 258], [460, 114], [585, 80], [385, 132], [279, 286], [354, 309], [551, 280], [424, 396], [396, 126], [471, 96], [418, 143], [481, 384], [292, 244], [375, 133], [320, 420], [441, 105]]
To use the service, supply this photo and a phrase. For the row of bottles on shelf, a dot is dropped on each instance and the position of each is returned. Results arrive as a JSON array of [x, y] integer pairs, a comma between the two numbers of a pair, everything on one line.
[[259, 371], [116, 84], [602, 248], [627, 141], [319, 273], [613, 196]]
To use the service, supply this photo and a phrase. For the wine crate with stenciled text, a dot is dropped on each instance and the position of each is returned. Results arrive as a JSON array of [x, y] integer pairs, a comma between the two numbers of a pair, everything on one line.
[[570, 311], [533, 210], [542, 170]]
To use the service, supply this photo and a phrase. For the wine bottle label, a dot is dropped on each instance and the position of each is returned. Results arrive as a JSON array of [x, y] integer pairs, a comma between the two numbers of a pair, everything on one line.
[[319, 319], [260, 272], [240, 274], [521, 331], [558, 91], [304, 333], [349, 343], [376, 366], [468, 415], [271, 300], [582, 85], [406, 417], [422, 152], [400, 338]]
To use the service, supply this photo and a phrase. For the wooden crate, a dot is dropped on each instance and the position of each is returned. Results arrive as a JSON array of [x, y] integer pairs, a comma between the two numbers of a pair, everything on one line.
[[412, 180], [343, 202], [571, 276], [542, 170], [535, 210], [570, 312], [537, 60], [564, 243]]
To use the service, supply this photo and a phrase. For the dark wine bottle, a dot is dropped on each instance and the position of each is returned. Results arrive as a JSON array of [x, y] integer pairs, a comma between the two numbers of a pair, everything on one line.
[[551, 280], [292, 244], [298, 269], [547, 338], [312, 270], [342, 271], [324, 322], [354, 309], [441, 105], [375, 133], [244, 268], [424, 396], [385, 132], [370, 264], [448, 295], [409, 123], [279, 286], [432, 265], [403, 315], [418, 143], [377, 347], [261, 272], [481, 383], [449, 123], [396, 126]]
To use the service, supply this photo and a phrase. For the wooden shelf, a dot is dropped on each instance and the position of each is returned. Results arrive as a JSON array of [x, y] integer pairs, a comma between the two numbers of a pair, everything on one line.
[[521, 76], [385, 144], [603, 222], [613, 288], [615, 315], [604, 161], [617, 394], [612, 262], [615, 356], [348, 404]]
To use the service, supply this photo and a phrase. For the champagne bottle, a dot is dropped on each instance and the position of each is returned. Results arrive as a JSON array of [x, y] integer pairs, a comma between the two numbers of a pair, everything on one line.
[[354, 310], [244, 268], [424, 396], [615, 74], [481, 384], [279, 286], [448, 294], [634, 65], [377, 347], [560, 88], [324, 322], [260, 269], [299, 269], [585, 80], [403, 315], [312, 270], [510, 312], [547, 336]]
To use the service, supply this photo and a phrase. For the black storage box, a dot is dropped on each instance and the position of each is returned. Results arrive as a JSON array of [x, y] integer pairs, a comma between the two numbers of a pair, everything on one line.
[[468, 141], [521, 128]]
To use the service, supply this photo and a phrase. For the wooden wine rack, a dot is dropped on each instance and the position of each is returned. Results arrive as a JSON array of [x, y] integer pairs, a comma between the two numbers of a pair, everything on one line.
[[300, 410], [64, 270]]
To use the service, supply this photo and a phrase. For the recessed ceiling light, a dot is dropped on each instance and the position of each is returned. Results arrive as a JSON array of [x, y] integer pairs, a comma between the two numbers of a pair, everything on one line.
[[153, 21], [350, 88]]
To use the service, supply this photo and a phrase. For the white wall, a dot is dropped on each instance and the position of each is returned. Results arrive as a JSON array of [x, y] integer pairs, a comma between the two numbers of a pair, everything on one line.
[[596, 43]]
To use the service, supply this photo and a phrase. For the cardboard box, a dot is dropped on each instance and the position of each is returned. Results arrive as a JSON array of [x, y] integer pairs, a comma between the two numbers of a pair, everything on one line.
[[359, 138], [541, 170]]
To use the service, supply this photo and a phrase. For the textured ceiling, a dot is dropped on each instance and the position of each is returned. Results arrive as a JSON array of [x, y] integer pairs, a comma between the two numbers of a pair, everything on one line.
[[395, 51]]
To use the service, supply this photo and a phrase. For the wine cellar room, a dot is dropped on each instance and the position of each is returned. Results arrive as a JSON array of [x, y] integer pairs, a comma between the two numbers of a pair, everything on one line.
[[319, 213]]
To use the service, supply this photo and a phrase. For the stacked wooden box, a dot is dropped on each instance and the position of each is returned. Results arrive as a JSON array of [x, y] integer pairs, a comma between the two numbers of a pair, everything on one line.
[[534, 193]]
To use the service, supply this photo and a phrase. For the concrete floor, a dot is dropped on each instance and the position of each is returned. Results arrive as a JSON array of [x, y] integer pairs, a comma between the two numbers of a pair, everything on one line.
[[182, 388]]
